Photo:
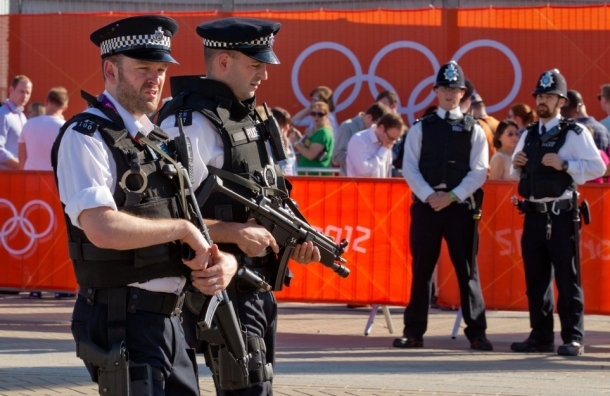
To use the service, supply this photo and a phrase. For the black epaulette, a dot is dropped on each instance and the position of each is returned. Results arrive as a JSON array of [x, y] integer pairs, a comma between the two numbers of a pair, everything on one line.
[[428, 118], [571, 125], [85, 124]]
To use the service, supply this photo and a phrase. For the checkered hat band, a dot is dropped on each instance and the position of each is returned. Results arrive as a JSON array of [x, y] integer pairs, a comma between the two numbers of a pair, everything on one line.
[[263, 41], [134, 42]]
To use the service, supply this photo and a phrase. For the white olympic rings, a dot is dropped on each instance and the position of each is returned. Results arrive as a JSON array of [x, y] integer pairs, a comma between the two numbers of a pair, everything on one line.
[[20, 219], [411, 107]]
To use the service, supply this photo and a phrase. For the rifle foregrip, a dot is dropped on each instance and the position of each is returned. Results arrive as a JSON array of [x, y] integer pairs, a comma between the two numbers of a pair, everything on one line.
[[187, 252]]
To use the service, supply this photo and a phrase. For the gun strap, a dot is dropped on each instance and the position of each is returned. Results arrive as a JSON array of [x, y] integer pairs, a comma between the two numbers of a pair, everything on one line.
[[117, 315], [242, 181], [153, 146]]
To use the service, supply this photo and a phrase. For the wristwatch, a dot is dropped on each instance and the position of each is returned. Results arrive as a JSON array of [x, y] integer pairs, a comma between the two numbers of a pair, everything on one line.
[[565, 166]]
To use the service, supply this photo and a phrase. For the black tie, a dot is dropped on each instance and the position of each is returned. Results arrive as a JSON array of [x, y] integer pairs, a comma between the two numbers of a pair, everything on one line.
[[447, 116], [543, 129]]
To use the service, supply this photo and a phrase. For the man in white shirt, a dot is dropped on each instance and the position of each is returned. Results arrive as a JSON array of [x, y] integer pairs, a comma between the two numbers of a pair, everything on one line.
[[552, 157], [369, 152], [445, 163], [351, 127], [12, 120], [40, 132]]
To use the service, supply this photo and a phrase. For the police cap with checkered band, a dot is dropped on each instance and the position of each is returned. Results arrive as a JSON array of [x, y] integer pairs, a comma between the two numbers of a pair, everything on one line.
[[450, 75], [146, 38], [252, 37], [551, 82]]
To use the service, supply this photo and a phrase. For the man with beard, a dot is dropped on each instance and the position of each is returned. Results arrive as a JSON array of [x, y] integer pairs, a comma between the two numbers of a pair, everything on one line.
[[551, 158], [219, 116], [123, 222]]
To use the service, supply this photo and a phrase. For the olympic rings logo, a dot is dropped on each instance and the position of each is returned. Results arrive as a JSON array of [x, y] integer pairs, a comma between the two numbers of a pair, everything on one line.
[[20, 220], [411, 107]]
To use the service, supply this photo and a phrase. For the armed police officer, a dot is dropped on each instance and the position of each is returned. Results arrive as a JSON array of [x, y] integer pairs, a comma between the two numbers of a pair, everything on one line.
[[445, 164], [122, 217], [218, 113], [553, 156]]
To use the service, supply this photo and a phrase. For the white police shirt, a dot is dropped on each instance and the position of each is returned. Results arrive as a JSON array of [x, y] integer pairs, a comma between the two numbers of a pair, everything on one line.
[[479, 161], [86, 174], [584, 160]]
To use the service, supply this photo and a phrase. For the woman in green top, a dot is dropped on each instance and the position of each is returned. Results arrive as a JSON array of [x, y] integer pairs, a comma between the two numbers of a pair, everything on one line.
[[316, 149]]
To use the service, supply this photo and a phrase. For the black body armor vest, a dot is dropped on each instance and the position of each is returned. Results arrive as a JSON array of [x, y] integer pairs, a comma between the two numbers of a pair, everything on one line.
[[445, 150], [245, 149], [538, 180], [141, 189]]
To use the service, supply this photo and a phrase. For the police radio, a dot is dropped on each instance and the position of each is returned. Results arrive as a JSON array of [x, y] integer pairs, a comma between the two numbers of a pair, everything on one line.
[[271, 131]]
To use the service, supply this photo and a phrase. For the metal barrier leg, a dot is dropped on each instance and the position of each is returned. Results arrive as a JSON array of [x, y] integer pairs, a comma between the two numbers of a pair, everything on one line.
[[456, 326], [388, 318], [369, 325]]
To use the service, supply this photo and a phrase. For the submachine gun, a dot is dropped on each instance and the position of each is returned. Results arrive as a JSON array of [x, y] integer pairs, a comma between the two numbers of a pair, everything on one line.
[[223, 313]]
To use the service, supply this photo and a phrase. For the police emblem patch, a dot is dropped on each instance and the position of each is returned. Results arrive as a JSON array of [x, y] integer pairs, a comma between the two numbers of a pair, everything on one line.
[[451, 73], [546, 81], [158, 36], [271, 40]]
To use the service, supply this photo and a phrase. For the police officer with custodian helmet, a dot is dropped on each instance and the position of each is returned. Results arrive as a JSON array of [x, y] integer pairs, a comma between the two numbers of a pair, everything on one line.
[[552, 157]]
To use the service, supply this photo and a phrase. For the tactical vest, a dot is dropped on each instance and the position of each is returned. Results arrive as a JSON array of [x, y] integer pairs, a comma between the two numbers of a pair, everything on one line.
[[445, 150], [245, 149], [538, 180], [142, 190]]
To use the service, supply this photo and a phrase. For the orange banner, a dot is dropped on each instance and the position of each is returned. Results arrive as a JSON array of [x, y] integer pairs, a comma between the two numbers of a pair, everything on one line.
[[371, 214], [355, 53]]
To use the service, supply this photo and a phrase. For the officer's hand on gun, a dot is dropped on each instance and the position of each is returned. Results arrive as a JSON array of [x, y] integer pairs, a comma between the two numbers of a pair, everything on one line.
[[195, 240], [306, 253], [217, 275], [255, 239]]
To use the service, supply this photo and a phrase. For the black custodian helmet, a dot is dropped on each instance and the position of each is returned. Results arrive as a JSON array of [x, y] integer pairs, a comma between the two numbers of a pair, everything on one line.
[[552, 83], [450, 75]]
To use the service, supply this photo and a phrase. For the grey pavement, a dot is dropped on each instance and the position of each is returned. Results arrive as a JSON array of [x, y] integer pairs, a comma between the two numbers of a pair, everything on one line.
[[322, 351]]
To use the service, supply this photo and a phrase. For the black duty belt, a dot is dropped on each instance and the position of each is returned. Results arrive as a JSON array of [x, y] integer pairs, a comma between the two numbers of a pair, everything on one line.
[[544, 207], [136, 299]]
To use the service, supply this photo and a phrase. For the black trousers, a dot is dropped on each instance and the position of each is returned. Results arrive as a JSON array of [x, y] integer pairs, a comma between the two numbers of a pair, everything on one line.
[[150, 338], [428, 228], [542, 259], [257, 313]]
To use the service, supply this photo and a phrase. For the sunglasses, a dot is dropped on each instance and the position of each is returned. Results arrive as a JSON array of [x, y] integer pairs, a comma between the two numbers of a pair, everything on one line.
[[316, 114]]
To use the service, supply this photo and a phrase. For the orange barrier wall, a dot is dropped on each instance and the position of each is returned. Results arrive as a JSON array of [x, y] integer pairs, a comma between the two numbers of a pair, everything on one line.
[[356, 53], [499, 260], [371, 214]]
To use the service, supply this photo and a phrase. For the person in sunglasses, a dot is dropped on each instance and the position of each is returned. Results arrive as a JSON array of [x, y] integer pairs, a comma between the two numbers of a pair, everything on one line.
[[505, 140], [316, 149]]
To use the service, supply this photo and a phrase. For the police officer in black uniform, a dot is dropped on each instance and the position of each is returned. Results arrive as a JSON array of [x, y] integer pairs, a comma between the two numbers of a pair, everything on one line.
[[553, 156], [122, 215], [218, 113], [445, 163]]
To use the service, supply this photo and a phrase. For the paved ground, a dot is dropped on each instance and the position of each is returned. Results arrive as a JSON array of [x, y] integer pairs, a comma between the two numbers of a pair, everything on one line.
[[322, 351]]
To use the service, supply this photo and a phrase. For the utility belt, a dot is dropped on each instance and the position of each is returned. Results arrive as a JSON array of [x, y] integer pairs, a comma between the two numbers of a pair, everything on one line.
[[136, 299], [115, 373], [553, 207], [474, 201]]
